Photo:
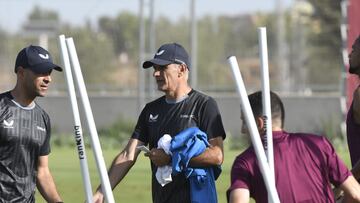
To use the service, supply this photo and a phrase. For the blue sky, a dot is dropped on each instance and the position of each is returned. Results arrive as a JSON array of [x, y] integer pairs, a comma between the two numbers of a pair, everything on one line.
[[13, 13]]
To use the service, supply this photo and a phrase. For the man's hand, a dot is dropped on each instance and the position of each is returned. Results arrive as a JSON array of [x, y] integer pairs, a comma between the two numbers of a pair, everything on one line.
[[158, 157], [98, 197], [338, 194]]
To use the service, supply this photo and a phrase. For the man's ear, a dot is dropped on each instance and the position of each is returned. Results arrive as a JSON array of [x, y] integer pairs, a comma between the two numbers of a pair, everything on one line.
[[182, 69], [20, 71], [260, 123]]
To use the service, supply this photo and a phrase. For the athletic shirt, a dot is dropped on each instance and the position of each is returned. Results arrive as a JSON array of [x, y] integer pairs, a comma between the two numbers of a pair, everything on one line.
[[305, 165], [353, 136], [162, 117], [24, 136]]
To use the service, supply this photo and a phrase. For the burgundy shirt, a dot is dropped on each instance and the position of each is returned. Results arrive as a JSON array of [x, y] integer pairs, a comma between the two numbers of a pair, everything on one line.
[[353, 136], [305, 165]]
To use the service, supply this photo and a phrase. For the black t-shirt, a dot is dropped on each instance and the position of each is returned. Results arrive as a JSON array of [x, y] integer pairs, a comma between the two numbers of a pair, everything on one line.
[[24, 136], [161, 117]]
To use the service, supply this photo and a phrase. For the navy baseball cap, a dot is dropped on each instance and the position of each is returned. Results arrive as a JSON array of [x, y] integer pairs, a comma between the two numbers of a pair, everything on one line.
[[168, 54], [36, 59]]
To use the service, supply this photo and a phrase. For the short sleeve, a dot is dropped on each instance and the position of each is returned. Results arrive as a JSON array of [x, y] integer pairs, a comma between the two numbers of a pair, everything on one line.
[[240, 176], [45, 148], [211, 121], [338, 172], [140, 131]]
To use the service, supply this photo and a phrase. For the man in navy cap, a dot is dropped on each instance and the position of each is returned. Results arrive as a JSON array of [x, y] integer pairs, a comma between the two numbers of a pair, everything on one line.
[[25, 131], [180, 108]]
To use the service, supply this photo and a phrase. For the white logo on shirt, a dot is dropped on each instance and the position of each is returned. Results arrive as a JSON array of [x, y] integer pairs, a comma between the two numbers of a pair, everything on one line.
[[40, 128], [153, 118], [186, 116], [8, 124]]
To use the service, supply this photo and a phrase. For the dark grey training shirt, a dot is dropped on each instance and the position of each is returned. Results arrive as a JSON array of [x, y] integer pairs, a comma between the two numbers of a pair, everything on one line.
[[161, 117], [24, 136]]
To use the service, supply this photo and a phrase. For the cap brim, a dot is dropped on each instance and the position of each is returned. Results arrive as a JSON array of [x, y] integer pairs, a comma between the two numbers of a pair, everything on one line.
[[45, 67], [156, 61]]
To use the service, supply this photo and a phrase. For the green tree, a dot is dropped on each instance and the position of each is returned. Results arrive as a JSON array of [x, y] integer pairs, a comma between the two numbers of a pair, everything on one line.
[[211, 48], [324, 42], [326, 24], [123, 31], [95, 53], [167, 31], [38, 13]]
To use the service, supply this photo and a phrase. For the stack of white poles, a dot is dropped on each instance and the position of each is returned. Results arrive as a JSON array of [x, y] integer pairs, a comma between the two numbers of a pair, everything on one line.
[[266, 161], [68, 53]]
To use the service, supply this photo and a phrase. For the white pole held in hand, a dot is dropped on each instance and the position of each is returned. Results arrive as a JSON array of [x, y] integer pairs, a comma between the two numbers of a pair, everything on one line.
[[79, 140], [105, 183], [254, 133]]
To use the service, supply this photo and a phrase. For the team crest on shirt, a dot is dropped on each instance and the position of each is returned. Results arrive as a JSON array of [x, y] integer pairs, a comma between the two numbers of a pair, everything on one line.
[[152, 118], [8, 124]]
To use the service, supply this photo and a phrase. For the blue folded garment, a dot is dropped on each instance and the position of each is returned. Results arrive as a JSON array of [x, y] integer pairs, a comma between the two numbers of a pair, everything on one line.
[[187, 144]]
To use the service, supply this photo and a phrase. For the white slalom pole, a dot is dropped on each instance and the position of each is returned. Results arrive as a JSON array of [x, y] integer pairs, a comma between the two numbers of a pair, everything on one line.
[[77, 122], [254, 133], [266, 101], [105, 183]]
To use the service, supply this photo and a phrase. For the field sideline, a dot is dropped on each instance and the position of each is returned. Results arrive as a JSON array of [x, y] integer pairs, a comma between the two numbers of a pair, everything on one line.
[[135, 188]]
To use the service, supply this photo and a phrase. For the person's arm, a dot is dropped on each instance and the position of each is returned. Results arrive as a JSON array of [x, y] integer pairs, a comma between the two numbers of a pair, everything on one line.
[[211, 124], [120, 167], [351, 190], [45, 182], [213, 155], [356, 106], [338, 192], [240, 195]]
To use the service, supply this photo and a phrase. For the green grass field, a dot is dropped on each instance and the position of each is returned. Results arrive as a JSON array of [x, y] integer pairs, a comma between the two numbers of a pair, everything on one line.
[[135, 188]]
